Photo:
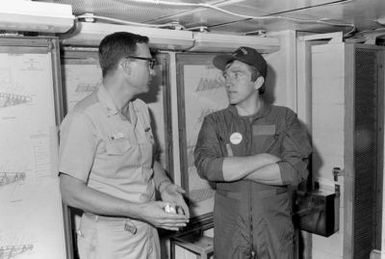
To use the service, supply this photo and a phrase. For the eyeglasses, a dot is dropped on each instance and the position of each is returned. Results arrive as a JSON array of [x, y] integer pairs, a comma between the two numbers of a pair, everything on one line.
[[151, 61]]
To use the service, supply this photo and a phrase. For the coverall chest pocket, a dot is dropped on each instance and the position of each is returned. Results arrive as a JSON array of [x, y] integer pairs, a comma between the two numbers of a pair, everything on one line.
[[116, 147], [272, 143]]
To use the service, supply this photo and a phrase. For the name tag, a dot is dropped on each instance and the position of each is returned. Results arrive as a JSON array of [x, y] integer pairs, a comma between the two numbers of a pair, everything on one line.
[[116, 136], [259, 130]]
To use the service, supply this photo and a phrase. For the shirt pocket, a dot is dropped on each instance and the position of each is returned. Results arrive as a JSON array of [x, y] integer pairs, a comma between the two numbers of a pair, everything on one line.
[[116, 147]]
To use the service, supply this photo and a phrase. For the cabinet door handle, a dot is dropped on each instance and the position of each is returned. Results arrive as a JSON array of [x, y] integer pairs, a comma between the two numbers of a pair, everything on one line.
[[337, 172]]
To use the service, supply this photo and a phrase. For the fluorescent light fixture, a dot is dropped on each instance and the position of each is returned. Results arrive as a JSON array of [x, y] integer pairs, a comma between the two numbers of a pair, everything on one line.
[[21, 15], [90, 34], [213, 42]]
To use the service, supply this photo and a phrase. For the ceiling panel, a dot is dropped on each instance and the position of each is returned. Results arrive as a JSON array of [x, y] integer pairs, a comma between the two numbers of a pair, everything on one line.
[[119, 9], [361, 12]]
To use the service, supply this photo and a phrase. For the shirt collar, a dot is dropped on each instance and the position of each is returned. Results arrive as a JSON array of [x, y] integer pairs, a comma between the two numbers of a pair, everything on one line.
[[262, 112], [105, 99]]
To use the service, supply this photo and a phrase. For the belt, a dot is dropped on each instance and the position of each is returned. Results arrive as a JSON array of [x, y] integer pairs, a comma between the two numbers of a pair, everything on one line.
[[239, 186], [129, 224], [264, 193]]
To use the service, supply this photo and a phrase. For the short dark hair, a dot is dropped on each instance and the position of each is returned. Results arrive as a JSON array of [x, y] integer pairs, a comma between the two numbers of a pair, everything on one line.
[[115, 46]]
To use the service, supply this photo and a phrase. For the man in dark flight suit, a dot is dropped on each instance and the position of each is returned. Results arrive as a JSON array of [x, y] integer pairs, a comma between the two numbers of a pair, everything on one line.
[[253, 151]]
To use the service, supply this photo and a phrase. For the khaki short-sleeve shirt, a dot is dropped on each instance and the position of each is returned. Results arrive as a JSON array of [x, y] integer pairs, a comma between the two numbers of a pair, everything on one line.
[[111, 154]]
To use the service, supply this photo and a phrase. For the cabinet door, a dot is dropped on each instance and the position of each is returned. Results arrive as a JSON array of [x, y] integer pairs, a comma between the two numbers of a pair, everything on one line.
[[31, 215], [347, 101], [328, 116]]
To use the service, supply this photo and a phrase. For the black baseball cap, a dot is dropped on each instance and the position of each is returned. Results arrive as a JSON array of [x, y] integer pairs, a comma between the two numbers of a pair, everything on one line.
[[246, 55]]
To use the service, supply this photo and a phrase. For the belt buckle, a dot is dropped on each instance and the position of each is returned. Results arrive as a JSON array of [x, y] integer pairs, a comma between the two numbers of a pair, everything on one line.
[[130, 227]]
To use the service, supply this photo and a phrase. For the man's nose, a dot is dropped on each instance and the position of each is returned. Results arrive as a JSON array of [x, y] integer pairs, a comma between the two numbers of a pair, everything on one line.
[[229, 87], [229, 83]]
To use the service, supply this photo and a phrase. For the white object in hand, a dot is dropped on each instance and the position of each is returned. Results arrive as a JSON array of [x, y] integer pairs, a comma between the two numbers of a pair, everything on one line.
[[169, 208]]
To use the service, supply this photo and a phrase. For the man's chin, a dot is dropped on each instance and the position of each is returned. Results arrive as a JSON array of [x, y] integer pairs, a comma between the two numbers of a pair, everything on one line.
[[233, 101], [146, 88]]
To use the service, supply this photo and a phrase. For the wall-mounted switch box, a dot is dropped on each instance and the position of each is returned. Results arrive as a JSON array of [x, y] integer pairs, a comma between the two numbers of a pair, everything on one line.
[[317, 212]]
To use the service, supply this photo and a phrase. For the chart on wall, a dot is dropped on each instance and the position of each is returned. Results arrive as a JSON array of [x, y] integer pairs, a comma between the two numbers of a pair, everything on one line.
[[83, 76], [31, 219], [201, 91]]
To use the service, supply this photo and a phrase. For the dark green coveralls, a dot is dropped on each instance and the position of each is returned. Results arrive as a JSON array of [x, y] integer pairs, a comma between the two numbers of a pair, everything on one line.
[[252, 218]]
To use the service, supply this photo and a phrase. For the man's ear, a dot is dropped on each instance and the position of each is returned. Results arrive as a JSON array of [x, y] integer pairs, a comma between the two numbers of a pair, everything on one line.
[[125, 66], [259, 82]]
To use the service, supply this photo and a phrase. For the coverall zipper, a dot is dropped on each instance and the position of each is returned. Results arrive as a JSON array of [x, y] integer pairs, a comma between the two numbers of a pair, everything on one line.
[[252, 253]]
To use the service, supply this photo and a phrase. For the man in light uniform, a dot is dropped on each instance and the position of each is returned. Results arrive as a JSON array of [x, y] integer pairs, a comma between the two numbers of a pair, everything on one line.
[[253, 151], [106, 160]]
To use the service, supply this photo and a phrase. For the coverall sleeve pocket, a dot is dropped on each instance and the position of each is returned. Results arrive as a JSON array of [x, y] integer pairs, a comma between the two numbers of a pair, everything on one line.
[[117, 147]]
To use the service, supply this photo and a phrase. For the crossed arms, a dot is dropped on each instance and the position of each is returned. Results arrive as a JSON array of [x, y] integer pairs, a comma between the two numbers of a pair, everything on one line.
[[287, 167]]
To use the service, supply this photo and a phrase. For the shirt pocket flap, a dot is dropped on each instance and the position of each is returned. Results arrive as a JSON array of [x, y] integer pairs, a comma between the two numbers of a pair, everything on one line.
[[118, 146]]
